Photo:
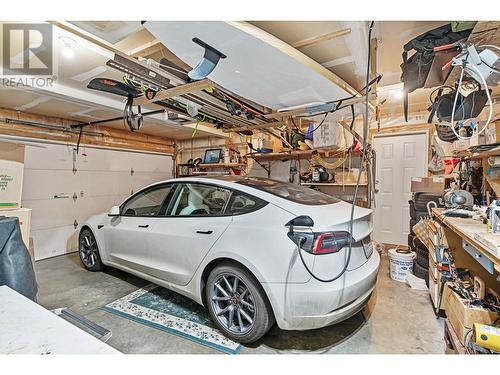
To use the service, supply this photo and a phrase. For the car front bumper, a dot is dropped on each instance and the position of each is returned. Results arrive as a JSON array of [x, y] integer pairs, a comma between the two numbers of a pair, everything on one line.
[[316, 304]]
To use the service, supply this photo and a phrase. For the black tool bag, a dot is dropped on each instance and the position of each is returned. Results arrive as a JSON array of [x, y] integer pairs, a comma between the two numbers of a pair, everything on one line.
[[16, 269], [415, 69], [467, 107]]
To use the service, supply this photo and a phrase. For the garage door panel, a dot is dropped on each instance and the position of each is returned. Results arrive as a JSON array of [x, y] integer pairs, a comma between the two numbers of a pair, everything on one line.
[[40, 183], [50, 157], [142, 179], [102, 180], [100, 183], [90, 206], [54, 241], [113, 160], [49, 213]]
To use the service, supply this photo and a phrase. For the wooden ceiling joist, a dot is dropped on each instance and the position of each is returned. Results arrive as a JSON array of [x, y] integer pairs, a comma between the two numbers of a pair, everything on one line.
[[146, 49], [320, 38], [176, 91], [355, 134], [256, 127], [20, 124], [303, 110]]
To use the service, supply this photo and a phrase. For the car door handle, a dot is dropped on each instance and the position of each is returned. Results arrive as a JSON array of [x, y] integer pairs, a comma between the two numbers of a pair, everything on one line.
[[204, 231], [144, 226]]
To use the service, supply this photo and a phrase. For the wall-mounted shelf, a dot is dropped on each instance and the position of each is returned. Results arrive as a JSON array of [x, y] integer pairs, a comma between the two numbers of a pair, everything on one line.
[[329, 152], [222, 165], [479, 155], [337, 184]]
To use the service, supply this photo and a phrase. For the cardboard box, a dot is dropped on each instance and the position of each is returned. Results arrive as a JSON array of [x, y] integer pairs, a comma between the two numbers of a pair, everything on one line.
[[350, 176], [326, 135], [492, 133], [11, 175], [428, 184], [461, 316], [24, 216]]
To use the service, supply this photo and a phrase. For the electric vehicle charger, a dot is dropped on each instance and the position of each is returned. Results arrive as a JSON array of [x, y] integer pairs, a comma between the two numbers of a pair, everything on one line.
[[301, 240]]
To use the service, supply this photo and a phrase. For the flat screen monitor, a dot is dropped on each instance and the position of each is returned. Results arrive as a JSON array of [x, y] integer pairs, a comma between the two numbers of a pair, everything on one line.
[[212, 156]]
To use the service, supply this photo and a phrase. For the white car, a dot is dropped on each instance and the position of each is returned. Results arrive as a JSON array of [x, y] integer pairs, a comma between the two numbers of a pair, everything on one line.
[[232, 244]]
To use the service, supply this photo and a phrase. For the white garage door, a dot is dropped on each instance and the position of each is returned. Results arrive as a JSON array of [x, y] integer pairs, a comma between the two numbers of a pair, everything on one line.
[[62, 198]]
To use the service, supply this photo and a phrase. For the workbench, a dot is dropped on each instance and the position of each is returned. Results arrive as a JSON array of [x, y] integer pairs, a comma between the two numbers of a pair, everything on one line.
[[459, 229], [28, 328]]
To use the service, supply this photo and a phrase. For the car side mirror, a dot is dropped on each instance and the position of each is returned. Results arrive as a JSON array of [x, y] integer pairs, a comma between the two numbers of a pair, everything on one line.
[[114, 211]]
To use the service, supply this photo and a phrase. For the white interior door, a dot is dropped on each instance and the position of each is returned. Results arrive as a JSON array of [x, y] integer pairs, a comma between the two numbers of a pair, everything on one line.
[[398, 159]]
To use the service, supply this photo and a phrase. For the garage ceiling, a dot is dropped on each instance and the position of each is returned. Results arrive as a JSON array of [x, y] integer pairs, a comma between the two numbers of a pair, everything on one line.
[[69, 97], [344, 55]]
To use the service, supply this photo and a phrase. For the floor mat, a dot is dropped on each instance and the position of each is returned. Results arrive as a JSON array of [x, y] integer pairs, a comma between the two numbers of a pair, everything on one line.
[[168, 311]]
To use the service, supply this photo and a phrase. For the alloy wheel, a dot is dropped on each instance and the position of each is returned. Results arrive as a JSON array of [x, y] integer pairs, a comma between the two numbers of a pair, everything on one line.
[[233, 303], [88, 250]]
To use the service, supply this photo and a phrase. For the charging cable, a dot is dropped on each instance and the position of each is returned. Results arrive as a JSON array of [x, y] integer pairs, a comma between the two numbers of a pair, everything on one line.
[[490, 103], [301, 240]]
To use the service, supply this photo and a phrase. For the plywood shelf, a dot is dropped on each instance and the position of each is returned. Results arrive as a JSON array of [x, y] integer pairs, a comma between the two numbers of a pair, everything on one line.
[[329, 152], [222, 165], [478, 155], [337, 184]]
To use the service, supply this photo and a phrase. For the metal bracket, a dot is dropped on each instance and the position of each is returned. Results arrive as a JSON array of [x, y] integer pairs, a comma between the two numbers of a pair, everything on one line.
[[480, 258], [104, 334], [266, 168]]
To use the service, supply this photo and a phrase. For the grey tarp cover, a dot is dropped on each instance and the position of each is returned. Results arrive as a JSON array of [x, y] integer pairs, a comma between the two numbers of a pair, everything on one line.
[[16, 269]]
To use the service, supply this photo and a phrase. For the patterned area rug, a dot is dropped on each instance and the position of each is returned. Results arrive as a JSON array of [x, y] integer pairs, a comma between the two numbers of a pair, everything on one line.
[[168, 311]]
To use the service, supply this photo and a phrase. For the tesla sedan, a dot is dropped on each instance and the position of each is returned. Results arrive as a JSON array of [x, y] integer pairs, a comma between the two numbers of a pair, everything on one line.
[[252, 251]]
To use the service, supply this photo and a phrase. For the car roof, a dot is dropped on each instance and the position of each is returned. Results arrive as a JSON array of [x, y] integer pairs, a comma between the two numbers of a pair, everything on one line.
[[232, 182]]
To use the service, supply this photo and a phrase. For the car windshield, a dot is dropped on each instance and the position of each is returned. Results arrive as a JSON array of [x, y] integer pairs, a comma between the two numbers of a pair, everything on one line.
[[291, 192]]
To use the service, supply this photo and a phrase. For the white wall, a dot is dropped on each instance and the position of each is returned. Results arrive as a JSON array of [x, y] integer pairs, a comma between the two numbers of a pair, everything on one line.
[[103, 179]]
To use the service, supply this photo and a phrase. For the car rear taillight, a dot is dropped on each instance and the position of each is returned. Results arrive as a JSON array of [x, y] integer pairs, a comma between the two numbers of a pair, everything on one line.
[[330, 242]]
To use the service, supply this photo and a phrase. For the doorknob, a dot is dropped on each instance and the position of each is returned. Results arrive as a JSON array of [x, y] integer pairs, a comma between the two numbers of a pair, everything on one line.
[[204, 231], [144, 226]]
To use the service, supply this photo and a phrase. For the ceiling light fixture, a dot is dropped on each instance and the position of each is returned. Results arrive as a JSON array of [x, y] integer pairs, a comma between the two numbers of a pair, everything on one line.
[[398, 94], [67, 50]]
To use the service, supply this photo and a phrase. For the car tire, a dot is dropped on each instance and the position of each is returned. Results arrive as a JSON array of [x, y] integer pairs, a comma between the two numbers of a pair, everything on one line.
[[421, 199], [89, 251], [422, 259], [415, 242], [253, 295], [420, 272], [445, 133], [412, 224], [414, 214]]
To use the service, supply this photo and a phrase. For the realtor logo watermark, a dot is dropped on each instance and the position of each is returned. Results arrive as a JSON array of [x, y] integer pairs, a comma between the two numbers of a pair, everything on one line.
[[27, 55]]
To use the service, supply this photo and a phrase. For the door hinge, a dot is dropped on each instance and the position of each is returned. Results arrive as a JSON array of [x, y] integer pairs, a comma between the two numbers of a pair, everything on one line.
[[131, 171], [75, 224], [75, 197]]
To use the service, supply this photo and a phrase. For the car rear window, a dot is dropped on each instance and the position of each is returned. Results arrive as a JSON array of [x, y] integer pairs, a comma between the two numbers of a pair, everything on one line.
[[291, 192]]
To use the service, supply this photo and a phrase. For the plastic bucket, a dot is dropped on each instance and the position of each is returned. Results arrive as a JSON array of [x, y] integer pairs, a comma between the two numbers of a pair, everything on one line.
[[401, 263]]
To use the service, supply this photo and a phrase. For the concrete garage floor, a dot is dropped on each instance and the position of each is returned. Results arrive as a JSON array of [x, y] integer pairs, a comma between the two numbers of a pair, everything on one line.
[[396, 320]]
